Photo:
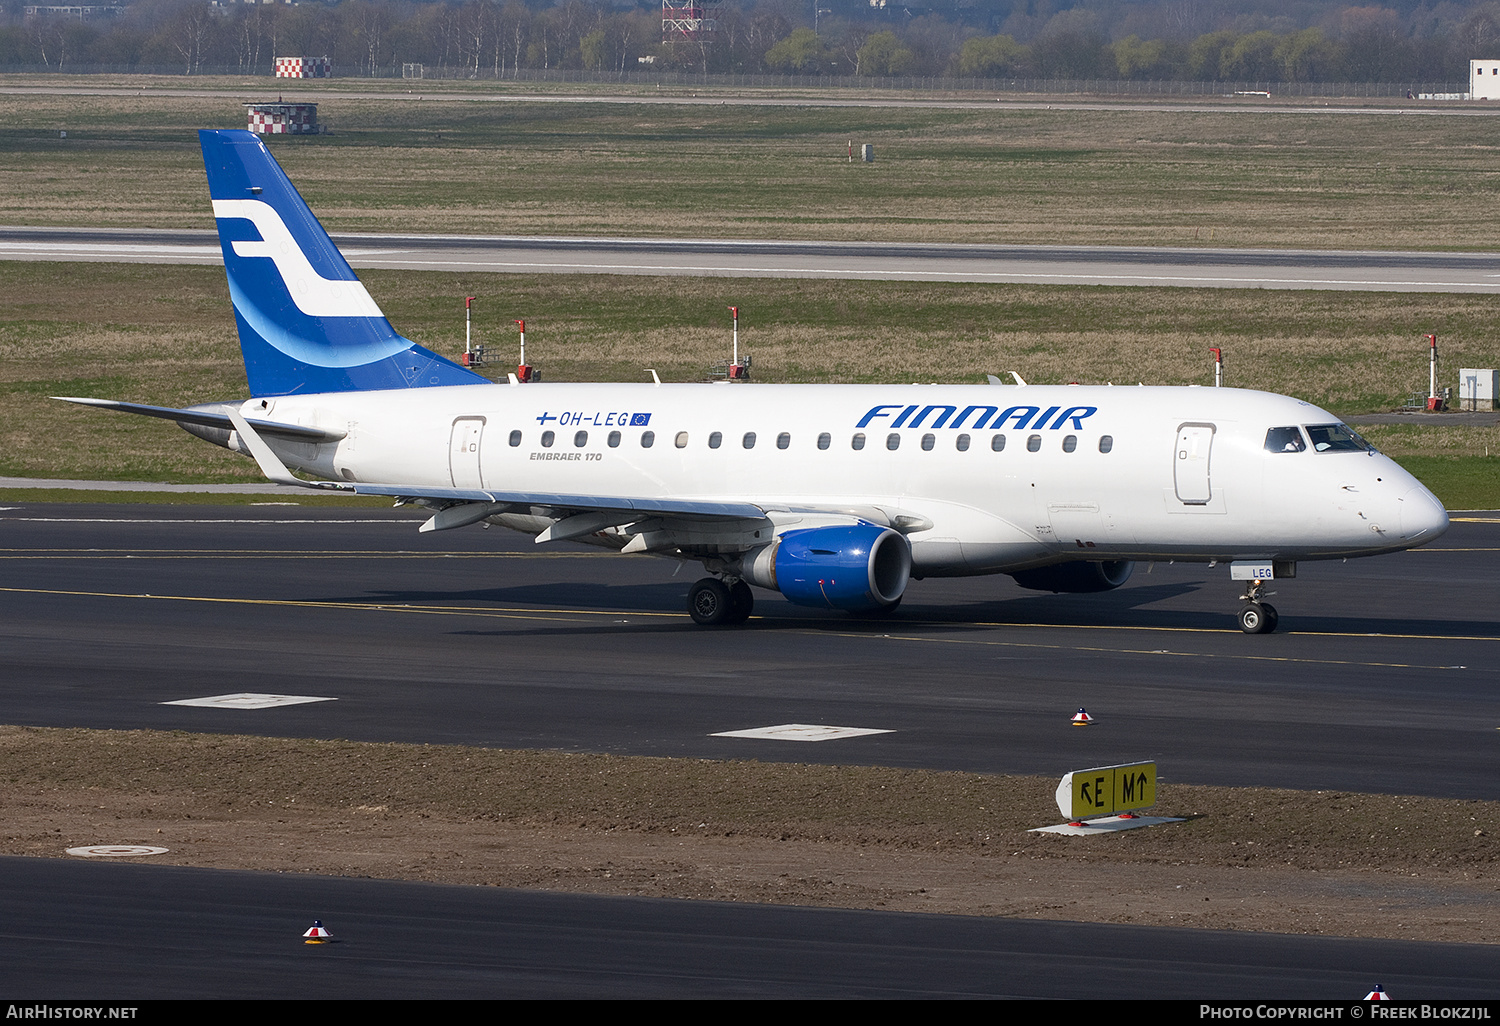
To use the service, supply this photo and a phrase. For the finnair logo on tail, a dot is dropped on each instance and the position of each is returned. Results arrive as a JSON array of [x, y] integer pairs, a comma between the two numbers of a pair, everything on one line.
[[314, 294]]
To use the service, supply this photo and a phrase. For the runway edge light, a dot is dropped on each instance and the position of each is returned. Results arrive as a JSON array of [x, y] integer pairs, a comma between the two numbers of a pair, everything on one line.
[[1106, 799], [316, 934], [1081, 719], [1378, 994]]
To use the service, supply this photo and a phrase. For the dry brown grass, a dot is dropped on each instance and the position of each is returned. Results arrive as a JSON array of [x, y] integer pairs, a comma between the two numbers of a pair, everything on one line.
[[165, 335], [474, 164]]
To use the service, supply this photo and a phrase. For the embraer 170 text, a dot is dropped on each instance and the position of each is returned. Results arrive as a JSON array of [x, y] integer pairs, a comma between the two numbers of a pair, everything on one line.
[[834, 495]]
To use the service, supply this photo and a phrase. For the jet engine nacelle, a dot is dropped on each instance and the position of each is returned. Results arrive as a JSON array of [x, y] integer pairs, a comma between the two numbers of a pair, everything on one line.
[[1078, 577], [859, 567]]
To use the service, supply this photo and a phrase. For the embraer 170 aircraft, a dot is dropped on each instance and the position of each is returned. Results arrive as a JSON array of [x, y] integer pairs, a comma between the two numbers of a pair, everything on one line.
[[834, 495]]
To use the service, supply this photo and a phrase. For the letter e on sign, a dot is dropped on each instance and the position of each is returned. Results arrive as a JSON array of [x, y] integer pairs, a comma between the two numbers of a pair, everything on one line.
[[1107, 790]]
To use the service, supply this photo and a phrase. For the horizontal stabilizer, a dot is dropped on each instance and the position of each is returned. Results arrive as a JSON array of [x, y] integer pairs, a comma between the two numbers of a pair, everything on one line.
[[208, 417]]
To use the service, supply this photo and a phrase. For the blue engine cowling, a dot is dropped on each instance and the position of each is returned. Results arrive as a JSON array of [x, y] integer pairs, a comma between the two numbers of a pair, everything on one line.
[[1078, 577], [858, 568]]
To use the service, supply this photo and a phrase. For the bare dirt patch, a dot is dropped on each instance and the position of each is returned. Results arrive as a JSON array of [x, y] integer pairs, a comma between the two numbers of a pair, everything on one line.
[[853, 837]]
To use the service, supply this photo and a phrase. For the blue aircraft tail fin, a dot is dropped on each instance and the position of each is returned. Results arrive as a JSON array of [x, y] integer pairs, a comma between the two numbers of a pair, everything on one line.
[[306, 323]]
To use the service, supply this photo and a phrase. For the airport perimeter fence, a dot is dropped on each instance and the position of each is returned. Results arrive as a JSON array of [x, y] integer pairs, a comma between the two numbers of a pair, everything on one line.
[[910, 84]]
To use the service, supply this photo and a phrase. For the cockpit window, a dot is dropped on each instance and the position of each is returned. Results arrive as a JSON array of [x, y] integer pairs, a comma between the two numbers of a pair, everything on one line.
[[1336, 438], [1284, 439]]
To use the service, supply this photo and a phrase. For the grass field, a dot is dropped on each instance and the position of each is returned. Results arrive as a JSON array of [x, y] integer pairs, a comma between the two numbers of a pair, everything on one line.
[[165, 335], [440, 163]]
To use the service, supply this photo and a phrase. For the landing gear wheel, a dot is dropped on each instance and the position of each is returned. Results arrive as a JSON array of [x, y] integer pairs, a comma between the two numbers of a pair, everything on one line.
[[1258, 618], [708, 602], [741, 603]]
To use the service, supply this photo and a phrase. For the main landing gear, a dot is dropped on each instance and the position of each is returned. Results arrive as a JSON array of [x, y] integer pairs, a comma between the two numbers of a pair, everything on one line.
[[712, 602], [1257, 617]]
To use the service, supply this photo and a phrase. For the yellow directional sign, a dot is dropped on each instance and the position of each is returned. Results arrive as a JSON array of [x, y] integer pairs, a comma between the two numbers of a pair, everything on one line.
[[1107, 790]]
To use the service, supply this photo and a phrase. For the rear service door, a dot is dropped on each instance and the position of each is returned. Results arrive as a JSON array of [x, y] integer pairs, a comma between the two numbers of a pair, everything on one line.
[[463, 452], [1191, 463]]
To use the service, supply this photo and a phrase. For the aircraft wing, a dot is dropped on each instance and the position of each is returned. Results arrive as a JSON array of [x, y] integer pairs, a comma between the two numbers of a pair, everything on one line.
[[462, 506], [553, 500]]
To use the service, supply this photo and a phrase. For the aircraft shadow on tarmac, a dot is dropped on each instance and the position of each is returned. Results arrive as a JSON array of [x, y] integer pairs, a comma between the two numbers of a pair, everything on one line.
[[1126, 607]]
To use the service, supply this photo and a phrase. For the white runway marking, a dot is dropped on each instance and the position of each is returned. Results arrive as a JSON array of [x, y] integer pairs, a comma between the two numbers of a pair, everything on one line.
[[249, 700], [115, 851], [801, 732]]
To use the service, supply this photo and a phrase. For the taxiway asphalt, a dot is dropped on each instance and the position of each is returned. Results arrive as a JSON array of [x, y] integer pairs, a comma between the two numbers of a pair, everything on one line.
[[1382, 677], [118, 933], [1047, 265]]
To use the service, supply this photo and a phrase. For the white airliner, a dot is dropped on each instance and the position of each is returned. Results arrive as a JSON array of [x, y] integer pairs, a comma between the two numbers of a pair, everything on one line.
[[834, 495]]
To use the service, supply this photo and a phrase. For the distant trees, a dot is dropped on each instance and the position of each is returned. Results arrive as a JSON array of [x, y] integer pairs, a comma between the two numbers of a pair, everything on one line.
[[1257, 41], [802, 52]]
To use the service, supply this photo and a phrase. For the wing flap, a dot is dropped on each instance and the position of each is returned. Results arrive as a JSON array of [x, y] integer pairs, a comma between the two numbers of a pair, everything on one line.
[[560, 501]]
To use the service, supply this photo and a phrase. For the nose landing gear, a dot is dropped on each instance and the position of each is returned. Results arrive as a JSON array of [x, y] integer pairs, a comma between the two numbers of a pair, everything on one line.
[[1257, 617]]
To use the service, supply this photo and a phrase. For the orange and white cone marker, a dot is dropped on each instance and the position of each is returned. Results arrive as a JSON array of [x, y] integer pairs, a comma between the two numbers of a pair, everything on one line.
[[316, 934], [1082, 718]]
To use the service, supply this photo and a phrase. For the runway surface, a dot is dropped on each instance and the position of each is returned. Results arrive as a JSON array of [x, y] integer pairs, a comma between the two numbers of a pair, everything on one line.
[[1383, 677], [118, 933], [1049, 265], [814, 96]]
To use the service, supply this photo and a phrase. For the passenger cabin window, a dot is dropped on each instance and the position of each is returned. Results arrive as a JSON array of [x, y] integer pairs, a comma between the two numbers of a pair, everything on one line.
[[547, 437], [997, 443], [1336, 438], [1070, 443], [858, 441], [825, 440], [1034, 443], [1106, 443], [783, 440], [614, 439], [962, 443], [681, 440], [749, 440], [515, 439], [581, 439], [716, 439], [928, 441], [1284, 439], [648, 439], [893, 441]]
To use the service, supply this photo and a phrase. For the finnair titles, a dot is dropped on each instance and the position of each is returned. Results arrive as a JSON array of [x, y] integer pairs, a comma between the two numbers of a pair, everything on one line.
[[834, 495]]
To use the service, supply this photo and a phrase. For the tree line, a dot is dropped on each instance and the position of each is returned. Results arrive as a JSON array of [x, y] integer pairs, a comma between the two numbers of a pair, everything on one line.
[[1047, 39]]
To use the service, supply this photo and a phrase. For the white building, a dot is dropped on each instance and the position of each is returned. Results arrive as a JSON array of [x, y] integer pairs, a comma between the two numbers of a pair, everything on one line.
[[1484, 80]]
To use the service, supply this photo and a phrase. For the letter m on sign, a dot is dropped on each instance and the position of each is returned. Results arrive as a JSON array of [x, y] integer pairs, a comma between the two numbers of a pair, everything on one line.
[[1135, 787]]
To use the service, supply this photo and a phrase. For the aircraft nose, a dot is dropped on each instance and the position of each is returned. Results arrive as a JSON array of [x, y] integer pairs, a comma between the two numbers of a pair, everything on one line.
[[1422, 516]]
